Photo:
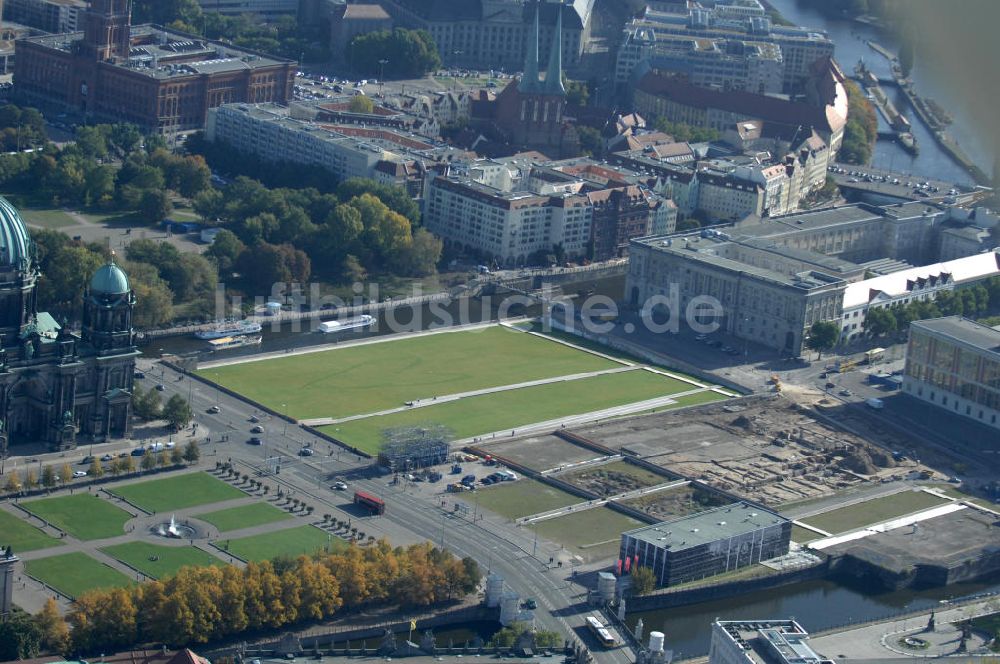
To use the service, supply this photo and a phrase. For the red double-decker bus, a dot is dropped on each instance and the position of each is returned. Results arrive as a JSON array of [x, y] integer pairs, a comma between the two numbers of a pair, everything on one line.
[[372, 503]]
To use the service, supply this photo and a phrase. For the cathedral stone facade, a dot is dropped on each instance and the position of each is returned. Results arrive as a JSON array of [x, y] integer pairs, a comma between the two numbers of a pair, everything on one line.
[[57, 385]]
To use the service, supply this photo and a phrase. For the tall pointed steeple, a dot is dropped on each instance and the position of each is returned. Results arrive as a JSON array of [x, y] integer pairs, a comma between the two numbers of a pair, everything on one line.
[[553, 75], [529, 79]]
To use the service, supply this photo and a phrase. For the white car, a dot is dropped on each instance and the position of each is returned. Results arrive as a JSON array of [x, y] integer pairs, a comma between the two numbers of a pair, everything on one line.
[[340, 486], [171, 444], [80, 473]]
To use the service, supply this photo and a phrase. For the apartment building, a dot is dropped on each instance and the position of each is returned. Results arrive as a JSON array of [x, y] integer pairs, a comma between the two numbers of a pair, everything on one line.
[[48, 15], [800, 48], [509, 209], [676, 99], [725, 64], [345, 149]]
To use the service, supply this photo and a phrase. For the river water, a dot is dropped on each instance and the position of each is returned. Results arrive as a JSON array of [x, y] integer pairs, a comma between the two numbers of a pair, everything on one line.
[[402, 319], [817, 605], [850, 38]]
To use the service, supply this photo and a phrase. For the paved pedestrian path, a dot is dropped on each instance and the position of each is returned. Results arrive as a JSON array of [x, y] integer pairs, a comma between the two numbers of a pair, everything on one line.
[[434, 401]]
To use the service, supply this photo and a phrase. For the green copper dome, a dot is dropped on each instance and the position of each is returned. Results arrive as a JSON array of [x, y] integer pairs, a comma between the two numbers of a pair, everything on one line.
[[109, 280], [15, 244]]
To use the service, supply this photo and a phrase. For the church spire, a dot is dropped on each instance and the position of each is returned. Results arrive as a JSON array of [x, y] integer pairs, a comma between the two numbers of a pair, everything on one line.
[[529, 79], [553, 75]]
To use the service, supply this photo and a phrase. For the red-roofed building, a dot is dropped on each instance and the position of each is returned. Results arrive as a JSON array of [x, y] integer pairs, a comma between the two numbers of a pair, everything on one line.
[[677, 100]]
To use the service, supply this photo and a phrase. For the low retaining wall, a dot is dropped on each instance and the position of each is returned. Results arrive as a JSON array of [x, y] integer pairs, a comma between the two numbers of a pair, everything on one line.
[[651, 356]]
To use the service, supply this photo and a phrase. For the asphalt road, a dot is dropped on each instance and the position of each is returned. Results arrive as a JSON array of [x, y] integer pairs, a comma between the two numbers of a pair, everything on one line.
[[410, 515]]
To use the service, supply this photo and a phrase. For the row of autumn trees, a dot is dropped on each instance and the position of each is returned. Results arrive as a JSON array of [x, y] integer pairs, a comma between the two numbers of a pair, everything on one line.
[[51, 477], [202, 604]]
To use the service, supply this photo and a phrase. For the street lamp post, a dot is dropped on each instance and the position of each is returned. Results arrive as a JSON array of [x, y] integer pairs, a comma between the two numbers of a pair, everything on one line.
[[284, 411], [381, 76]]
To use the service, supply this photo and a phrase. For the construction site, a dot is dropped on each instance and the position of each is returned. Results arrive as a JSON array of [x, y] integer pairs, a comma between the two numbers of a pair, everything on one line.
[[766, 449]]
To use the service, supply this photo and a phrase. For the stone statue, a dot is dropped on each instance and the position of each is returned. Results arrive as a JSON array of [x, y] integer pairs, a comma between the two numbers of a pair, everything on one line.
[[930, 623], [67, 418]]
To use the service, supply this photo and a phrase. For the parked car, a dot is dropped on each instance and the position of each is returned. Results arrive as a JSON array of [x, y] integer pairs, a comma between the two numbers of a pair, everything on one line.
[[86, 461], [468, 479], [159, 387], [139, 451], [845, 392], [254, 440], [79, 473], [140, 375], [257, 429], [254, 419], [107, 457]]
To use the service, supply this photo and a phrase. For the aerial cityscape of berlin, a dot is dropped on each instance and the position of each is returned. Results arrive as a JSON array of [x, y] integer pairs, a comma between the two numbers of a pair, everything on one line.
[[582, 331]]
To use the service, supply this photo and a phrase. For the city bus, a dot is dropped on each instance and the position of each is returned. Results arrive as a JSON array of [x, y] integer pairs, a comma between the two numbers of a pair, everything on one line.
[[601, 632], [372, 503], [875, 355]]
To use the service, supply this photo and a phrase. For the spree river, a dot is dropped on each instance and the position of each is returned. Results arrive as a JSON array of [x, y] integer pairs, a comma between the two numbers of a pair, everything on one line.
[[817, 605], [850, 38]]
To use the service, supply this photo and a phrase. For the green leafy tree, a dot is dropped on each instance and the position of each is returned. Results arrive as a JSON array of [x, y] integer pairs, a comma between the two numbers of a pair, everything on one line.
[[361, 104], [96, 469], [191, 452], [879, 322], [823, 335], [406, 53], [591, 141], [155, 206], [577, 92], [225, 250], [177, 411], [48, 477], [643, 580], [20, 637]]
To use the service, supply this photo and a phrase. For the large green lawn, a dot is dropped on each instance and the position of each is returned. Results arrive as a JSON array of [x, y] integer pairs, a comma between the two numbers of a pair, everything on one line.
[[474, 416], [372, 377], [244, 516], [593, 534], [73, 574], [178, 492], [288, 542], [50, 219], [873, 511], [523, 498], [84, 516], [21, 535], [157, 560]]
